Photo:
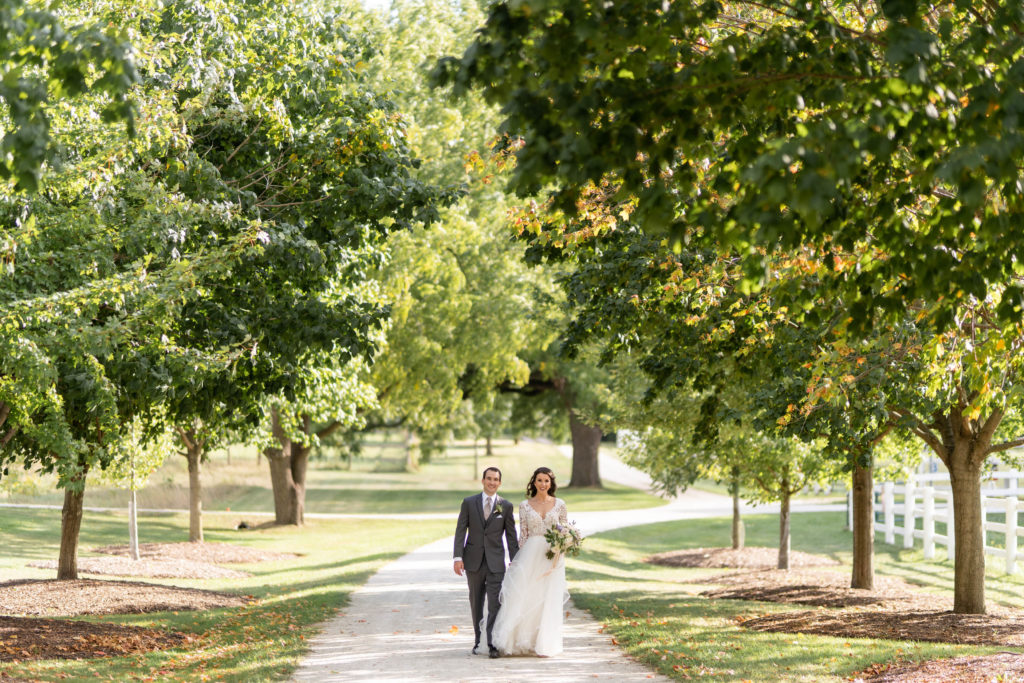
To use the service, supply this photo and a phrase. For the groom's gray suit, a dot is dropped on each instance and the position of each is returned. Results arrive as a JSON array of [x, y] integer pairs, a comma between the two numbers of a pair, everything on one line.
[[478, 543]]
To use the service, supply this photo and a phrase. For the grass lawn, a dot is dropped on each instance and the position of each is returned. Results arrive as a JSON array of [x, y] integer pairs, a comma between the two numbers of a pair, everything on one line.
[[260, 642], [376, 483], [664, 622], [266, 639]]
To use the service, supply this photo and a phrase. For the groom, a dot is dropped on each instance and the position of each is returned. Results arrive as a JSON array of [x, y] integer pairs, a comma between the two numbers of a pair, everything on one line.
[[479, 553]]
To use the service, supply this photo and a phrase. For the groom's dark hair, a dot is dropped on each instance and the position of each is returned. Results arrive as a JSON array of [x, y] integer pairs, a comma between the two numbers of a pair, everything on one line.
[[491, 469]]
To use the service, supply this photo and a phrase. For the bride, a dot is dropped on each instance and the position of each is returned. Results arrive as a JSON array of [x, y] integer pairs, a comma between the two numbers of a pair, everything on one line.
[[534, 589]]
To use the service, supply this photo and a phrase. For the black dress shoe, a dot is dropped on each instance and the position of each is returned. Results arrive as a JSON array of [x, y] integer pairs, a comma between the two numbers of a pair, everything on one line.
[[474, 650], [494, 653]]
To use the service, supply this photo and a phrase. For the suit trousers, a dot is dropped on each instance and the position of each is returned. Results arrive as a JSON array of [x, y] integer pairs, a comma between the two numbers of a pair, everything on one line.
[[484, 582]]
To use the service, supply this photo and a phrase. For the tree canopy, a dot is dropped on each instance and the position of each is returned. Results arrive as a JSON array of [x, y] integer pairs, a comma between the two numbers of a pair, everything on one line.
[[881, 136]]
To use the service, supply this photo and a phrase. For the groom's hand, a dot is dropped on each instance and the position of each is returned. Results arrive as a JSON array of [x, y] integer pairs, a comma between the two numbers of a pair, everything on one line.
[[459, 567]]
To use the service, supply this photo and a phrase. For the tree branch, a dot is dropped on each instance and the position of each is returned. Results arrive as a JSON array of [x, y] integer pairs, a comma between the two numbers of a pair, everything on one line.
[[10, 435], [275, 426], [988, 429], [242, 144], [1005, 446], [922, 431], [185, 439], [329, 429]]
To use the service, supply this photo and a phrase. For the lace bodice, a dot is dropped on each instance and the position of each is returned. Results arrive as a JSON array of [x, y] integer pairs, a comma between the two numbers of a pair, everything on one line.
[[531, 523]]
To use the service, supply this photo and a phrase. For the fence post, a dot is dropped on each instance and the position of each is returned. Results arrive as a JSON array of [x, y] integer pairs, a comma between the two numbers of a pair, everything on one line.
[[1011, 534], [908, 515], [928, 522], [888, 503]]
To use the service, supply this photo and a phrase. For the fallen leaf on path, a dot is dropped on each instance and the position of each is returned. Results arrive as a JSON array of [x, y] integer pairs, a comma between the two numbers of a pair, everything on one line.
[[453, 630]]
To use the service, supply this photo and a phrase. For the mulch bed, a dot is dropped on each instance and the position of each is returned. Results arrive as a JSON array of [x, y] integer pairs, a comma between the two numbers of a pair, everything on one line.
[[172, 560], [148, 568], [751, 557], [894, 609], [200, 552], [49, 598], [1001, 627], [23, 638], [817, 587], [1004, 666]]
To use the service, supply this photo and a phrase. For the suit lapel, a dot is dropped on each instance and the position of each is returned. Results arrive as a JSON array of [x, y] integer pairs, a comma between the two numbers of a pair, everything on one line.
[[480, 509]]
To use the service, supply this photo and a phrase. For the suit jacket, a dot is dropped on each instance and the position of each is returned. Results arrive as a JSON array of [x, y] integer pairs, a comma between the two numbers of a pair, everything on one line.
[[477, 540]]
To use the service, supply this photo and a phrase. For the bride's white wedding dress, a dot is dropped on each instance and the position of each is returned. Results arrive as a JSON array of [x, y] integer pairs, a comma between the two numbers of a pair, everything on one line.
[[534, 590]]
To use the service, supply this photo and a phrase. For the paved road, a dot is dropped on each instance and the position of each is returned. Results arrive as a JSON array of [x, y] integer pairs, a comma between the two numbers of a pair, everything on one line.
[[410, 622]]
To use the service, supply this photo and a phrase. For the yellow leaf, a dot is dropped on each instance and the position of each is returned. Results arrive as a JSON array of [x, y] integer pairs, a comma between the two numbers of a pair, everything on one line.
[[453, 630]]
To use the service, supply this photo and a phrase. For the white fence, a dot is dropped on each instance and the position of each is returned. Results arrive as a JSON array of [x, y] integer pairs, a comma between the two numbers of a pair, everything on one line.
[[928, 497]]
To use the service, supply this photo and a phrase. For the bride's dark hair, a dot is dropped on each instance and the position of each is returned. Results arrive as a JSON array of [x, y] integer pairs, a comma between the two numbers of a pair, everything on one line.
[[531, 488]]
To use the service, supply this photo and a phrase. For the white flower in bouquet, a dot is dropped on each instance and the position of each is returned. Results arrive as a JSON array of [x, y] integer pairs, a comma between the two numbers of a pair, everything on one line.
[[564, 539]]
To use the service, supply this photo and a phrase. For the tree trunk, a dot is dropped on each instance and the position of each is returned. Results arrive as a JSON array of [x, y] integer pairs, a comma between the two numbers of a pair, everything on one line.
[[70, 526], [738, 532], [194, 454], [586, 443], [300, 462], [133, 514], [281, 483], [863, 530], [489, 450], [133, 526], [784, 528], [288, 480], [412, 462], [288, 475], [969, 562]]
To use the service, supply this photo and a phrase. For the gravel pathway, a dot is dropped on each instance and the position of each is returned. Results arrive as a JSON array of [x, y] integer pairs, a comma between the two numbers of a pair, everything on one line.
[[410, 622]]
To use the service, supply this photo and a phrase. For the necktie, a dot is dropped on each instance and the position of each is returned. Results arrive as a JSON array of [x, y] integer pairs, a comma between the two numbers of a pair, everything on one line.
[[487, 508]]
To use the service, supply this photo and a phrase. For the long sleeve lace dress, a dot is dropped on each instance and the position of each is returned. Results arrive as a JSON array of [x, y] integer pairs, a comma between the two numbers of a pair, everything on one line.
[[533, 593]]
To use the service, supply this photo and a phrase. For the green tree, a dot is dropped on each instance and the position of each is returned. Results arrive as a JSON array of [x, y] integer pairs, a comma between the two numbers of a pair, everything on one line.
[[137, 454], [327, 395], [887, 130], [465, 309], [48, 58], [206, 261]]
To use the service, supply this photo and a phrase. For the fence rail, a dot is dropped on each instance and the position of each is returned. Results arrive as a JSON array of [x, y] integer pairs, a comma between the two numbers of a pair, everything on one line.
[[932, 504]]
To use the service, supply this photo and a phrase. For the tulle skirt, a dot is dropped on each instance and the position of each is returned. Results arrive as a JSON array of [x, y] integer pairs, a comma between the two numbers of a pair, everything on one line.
[[533, 595]]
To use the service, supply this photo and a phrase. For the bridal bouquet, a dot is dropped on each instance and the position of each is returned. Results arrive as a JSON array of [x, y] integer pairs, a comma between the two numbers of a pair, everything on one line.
[[564, 539]]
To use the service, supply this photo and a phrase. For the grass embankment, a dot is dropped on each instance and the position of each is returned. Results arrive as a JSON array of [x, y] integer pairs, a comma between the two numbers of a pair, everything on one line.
[[262, 641], [662, 620], [376, 483]]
